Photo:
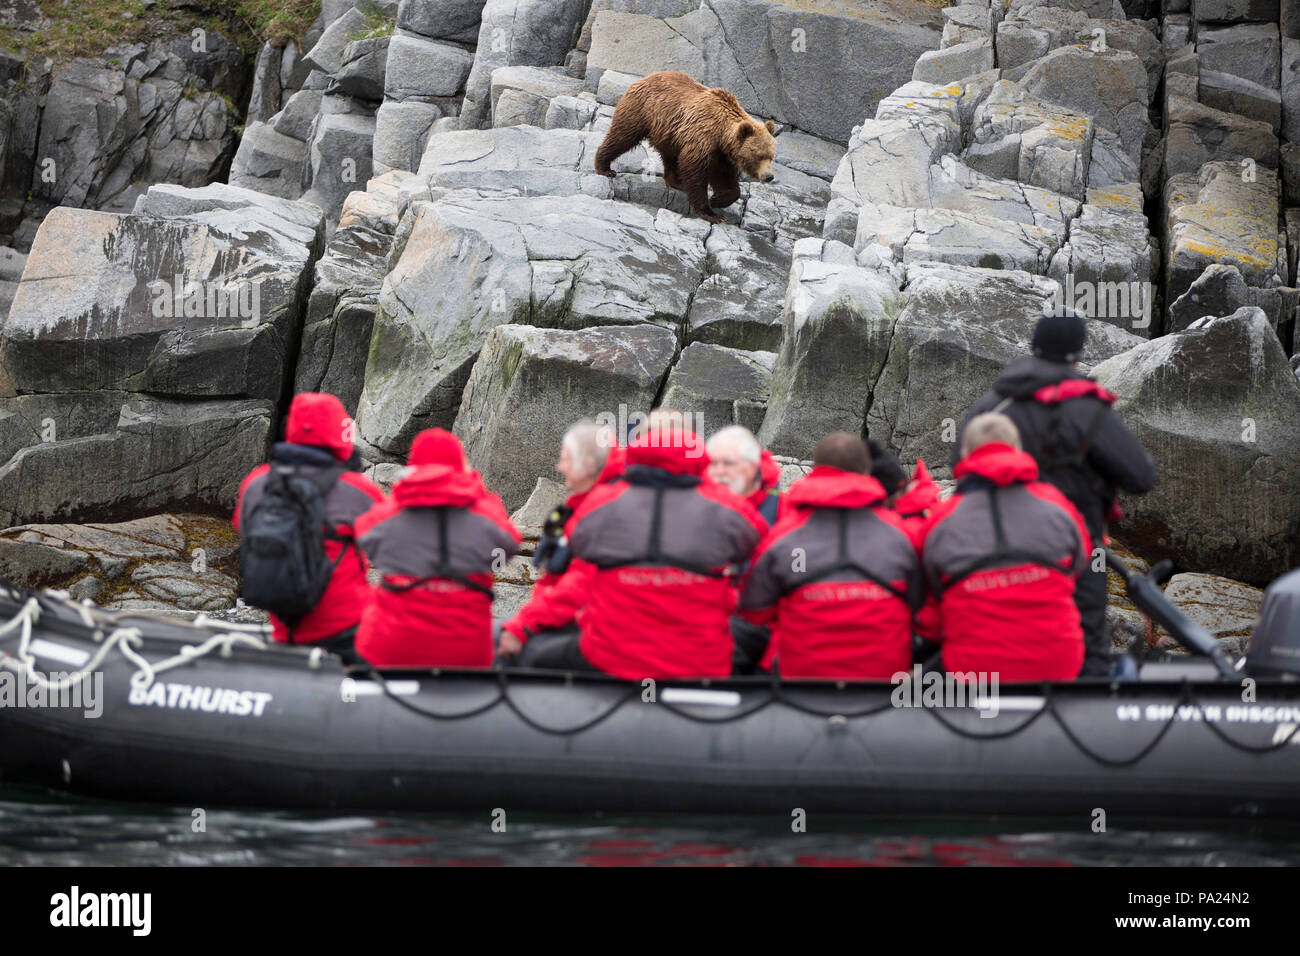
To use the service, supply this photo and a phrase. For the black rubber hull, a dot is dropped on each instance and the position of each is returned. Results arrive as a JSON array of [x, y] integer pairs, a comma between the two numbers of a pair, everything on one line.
[[773, 753]]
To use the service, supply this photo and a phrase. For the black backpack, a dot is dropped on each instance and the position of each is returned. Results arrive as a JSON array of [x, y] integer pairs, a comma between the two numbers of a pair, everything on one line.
[[282, 558]]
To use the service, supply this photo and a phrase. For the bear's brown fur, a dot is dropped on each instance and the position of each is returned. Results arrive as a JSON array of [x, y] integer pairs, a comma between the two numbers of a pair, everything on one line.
[[704, 136]]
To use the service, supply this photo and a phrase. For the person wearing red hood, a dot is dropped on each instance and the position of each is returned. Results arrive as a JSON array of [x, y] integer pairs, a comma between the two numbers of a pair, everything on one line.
[[589, 456], [318, 440], [1003, 554], [842, 607], [739, 462], [918, 498], [436, 542], [665, 541]]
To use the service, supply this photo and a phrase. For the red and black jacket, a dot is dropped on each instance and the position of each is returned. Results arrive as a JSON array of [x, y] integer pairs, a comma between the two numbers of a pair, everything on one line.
[[1002, 555], [837, 580], [558, 598], [664, 541], [436, 541]]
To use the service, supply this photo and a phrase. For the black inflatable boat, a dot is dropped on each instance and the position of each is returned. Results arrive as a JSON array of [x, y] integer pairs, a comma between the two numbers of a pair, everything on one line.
[[210, 714]]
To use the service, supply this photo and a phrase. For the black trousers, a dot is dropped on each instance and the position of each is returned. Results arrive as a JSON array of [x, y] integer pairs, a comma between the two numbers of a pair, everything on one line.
[[1091, 596], [341, 645], [561, 654], [539, 643]]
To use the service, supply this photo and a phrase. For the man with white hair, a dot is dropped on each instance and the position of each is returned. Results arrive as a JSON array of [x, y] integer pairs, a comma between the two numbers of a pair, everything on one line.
[[589, 455], [739, 462]]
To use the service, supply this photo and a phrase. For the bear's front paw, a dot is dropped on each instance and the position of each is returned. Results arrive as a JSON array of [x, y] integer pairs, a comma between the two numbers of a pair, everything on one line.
[[712, 217], [607, 172]]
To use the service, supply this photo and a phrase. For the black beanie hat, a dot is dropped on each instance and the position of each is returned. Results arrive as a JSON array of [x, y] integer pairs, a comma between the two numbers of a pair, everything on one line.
[[1059, 336]]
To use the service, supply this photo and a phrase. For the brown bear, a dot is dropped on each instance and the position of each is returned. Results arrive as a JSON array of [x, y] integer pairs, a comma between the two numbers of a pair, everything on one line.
[[704, 136]]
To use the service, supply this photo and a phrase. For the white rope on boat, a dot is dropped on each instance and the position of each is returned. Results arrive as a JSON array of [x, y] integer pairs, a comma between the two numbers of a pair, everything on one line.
[[127, 640]]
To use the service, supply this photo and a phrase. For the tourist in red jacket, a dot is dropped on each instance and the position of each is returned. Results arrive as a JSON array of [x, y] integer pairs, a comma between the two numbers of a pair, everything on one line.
[[665, 541], [837, 579], [1003, 555], [318, 436], [437, 541], [588, 457]]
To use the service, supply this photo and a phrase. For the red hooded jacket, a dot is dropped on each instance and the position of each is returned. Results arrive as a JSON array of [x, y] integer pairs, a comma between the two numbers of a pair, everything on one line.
[[436, 541], [318, 421], [764, 499], [1007, 607], [661, 598], [557, 598], [828, 619]]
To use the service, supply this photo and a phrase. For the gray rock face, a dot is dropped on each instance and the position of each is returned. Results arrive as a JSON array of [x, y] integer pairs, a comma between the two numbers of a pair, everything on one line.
[[1214, 216], [1232, 94], [1220, 290], [265, 101], [102, 315], [341, 159], [175, 583], [1218, 408], [424, 70], [889, 158], [327, 54], [958, 237], [739, 302], [1108, 266], [959, 328], [126, 302], [470, 263], [1251, 51], [528, 91], [955, 62], [1111, 87], [299, 115], [269, 162], [33, 565], [344, 295], [442, 19], [517, 33], [1016, 137], [720, 386], [401, 132], [1233, 11], [837, 321], [641, 45], [1290, 94], [162, 453], [1289, 167], [362, 72], [1200, 134], [764, 53], [529, 385]]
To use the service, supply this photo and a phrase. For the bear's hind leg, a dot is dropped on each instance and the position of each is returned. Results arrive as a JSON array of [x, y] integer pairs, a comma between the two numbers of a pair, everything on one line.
[[624, 134]]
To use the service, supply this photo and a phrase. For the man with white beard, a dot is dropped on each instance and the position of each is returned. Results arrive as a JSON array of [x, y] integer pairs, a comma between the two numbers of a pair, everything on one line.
[[737, 461]]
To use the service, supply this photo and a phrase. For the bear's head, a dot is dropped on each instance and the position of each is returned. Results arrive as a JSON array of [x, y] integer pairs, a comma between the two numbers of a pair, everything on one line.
[[752, 147]]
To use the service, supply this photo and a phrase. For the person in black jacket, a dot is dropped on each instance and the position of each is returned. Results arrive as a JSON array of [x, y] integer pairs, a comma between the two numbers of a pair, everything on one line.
[[1067, 424]]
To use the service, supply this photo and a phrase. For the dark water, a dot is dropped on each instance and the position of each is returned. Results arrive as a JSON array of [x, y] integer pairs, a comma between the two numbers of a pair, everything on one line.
[[38, 828]]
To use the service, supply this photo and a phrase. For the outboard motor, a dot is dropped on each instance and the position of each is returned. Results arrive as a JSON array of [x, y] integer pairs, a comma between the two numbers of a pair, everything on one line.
[[1275, 648]]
